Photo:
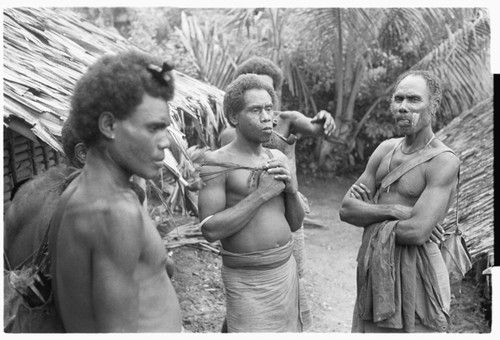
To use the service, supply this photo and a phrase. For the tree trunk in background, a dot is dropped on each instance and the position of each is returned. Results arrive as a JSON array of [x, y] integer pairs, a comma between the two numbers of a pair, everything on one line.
[[339, 69]]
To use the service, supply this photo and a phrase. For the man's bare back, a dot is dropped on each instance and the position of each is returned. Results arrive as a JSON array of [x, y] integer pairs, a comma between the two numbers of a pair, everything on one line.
[[108, 260], [111, 227]]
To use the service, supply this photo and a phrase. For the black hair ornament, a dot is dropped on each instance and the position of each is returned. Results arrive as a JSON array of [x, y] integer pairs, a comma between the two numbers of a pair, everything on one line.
[[163, 74]]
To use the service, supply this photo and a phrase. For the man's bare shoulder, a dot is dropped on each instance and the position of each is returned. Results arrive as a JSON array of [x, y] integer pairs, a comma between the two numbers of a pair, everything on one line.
[[278, 154], [390, 143], [220, 155], [109, 216], [445, 162], [385, 147], [213, 165], [227, 135]]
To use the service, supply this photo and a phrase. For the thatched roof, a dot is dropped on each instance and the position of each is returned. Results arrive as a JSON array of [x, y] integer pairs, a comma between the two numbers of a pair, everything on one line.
[[470, 135], [45, 53]]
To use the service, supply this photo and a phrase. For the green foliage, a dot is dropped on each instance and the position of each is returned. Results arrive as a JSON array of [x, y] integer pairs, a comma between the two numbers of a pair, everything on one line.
[[345, 60], [210, 50]]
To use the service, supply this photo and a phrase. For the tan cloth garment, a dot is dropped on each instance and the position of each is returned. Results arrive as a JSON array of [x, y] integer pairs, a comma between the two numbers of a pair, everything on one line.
[[399, 287], [262, 291]]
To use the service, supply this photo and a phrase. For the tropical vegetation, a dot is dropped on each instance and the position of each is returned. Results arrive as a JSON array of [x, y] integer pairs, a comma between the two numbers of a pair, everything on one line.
[[344, 60]]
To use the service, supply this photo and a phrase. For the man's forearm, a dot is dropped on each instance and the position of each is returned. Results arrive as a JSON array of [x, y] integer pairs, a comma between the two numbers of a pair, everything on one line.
[[362, 214], [294, 211], [231, 220], [320, 125]]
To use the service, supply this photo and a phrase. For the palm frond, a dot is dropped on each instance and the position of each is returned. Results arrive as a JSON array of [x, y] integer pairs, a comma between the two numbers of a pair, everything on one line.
[[210, 51], [465, 73]]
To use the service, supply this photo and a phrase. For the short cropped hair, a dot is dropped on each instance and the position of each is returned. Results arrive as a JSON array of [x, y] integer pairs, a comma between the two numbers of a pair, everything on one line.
[[234, 99], [431, 80], [69, 139], [261, 66], [117, 84]]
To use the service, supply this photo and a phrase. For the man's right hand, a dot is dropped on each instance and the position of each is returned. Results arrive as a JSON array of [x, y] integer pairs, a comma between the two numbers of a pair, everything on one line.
[[269, 186]]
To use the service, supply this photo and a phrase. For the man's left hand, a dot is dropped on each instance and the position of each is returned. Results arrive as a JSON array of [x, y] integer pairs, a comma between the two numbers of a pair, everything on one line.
[[282, 172], [361, 192], [325, 118]]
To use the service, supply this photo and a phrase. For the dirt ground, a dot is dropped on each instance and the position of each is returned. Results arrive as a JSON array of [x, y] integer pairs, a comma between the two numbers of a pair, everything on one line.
[[331, 248]]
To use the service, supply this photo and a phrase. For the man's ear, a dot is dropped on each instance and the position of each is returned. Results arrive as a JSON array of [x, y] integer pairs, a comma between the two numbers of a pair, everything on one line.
[[81, 153], [435, 106], [107, 124], [233, 118]]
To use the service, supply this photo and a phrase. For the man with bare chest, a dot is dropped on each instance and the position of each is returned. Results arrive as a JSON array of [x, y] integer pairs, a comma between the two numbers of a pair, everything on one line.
[[250, 203], [286, 125], [406, 216], [108, 262]]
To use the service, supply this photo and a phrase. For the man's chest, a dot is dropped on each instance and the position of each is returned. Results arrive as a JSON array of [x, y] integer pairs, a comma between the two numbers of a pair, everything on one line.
[[411, 184], [242, 182]]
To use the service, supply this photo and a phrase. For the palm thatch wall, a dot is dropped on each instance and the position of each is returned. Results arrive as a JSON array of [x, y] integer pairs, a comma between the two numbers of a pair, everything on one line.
[[470, 135], [45, 53]]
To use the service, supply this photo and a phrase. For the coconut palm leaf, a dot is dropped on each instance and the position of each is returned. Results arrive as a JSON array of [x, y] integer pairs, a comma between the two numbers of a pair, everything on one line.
[[210, 51], [266, 26], [420, 28], [461, 61]]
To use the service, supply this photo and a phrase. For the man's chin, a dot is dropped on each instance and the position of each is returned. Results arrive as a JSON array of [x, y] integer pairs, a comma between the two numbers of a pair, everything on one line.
[[149, 175], [265, 140], [404, 130]]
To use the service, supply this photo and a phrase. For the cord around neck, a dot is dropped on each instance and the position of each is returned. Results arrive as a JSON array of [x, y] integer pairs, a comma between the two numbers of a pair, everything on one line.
[[412, 152]]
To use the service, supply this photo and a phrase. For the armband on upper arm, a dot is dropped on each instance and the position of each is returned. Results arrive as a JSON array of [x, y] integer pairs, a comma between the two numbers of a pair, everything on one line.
[[205, 220]]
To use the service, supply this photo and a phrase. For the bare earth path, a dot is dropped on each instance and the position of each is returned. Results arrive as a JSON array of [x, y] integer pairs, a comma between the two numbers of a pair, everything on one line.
[[331, 250]]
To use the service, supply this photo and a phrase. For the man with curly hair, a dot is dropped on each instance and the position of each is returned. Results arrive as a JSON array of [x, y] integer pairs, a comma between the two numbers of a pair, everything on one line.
[[285, 123], [402, 280], [73, 147], [251, 204], [108, 260]]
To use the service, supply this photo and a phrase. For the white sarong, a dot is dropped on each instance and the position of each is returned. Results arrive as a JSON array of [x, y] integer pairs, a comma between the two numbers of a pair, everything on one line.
[[262, 291]]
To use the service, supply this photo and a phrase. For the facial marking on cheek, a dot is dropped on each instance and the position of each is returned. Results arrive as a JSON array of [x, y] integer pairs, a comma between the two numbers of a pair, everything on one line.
[[415, 117]]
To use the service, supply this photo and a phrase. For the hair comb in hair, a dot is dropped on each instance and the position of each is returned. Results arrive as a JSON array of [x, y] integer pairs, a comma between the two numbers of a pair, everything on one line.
[[162, 75]]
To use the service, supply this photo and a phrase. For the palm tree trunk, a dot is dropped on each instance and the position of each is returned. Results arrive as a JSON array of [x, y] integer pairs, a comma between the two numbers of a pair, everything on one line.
[[339, 71], [358, 75]]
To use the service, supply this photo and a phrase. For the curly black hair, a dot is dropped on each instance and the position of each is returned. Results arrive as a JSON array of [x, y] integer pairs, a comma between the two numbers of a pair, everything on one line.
[[261, 66], [234, 99], [117, 84], [431, 80], [69, 139]]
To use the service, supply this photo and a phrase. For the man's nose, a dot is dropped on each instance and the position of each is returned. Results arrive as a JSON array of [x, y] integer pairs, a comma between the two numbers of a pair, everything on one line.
[[166, 140], [403, 107], [266, 115]]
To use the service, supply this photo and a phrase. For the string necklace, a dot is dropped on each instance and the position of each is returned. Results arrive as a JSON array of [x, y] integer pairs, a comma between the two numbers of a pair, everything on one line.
[[426, 145]]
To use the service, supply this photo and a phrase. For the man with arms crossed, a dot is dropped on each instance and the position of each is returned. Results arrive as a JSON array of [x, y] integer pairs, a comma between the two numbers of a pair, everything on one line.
[[251, 204], [406, 217], [108, 260]]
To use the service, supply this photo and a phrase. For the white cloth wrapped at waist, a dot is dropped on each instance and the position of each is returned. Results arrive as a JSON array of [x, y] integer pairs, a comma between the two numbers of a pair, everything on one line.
[[262, 290]]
